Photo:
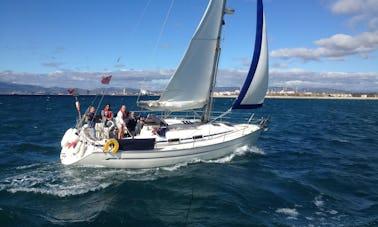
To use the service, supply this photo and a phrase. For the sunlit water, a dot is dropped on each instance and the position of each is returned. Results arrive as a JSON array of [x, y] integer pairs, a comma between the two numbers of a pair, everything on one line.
[[317, 165]]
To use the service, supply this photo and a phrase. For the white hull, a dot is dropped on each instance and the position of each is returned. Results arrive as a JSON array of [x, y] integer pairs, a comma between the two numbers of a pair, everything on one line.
[[218, 144]]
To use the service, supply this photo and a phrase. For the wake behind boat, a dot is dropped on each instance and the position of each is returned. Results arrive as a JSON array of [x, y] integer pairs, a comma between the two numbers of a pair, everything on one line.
[[169, 139]]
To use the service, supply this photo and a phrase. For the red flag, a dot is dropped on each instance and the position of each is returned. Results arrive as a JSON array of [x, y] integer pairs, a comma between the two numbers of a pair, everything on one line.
[[71, 91], [106, 79]]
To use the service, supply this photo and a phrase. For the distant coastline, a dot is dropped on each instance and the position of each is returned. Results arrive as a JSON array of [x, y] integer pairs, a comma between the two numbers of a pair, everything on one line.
[[220, 96], [290, 94], [320, 97], [221, 92], [308, 97], [305, 97]]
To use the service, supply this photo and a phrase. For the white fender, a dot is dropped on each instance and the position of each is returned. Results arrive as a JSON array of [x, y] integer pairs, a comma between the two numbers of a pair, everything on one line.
[[77, 147], [66, 138], [74, 137], [82, 149]]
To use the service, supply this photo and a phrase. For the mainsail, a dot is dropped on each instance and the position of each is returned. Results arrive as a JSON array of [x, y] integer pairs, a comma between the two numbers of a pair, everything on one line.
[[255, 86], [190, 86]]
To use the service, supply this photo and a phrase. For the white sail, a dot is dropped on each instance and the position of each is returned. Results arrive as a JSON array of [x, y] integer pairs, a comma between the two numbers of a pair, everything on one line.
[[189, 88], [255, 86]]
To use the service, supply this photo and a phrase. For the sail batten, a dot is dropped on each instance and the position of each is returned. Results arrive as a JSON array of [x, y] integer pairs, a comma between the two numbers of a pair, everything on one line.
[[189, 86], [255, 86]]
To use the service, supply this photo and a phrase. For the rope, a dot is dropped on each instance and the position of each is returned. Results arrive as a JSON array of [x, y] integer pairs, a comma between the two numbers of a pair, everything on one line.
[[99, 103], [82, 119], [190, 208], [140, 19], [158, 40], [163, 27]]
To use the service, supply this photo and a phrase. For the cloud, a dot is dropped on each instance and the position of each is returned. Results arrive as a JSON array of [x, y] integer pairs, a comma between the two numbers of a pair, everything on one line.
[[148, 79], [365, 11], [336, 47], [340, 46], [243, 61], [52, 64], [231, 77], [355, 6], [304, 54], [59, 49], [297, 78], [167, 46], [158, 79], [280, 65], [119, 65]]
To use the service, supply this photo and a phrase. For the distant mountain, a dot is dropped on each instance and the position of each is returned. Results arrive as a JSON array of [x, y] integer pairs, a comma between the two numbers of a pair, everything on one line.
[[314, 90], [22, 89], [222, 89], [9, 88]]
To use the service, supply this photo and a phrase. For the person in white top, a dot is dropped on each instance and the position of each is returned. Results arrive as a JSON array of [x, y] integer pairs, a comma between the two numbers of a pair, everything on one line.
[[122, 115]]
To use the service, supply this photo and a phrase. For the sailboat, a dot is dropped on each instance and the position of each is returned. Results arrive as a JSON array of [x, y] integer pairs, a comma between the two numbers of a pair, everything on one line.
[[168, 140]]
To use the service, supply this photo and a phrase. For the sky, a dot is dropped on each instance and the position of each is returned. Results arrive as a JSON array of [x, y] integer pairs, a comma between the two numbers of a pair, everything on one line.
[[329, 44]]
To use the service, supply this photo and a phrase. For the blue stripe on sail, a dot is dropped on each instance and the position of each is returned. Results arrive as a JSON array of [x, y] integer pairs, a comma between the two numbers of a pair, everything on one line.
[[256, 55], [249, 106]]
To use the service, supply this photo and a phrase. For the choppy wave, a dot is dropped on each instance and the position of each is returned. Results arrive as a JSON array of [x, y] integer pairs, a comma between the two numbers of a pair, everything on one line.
[[228, 158], [291, 213], [57, 180], [315, 166], [61, 181], [51, 181]]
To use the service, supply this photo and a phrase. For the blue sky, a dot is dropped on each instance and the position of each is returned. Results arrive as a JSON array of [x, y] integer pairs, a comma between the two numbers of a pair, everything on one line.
[[72, 43]]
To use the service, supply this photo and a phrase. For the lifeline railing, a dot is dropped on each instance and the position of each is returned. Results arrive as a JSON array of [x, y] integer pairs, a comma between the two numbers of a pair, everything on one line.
[[217, 116]]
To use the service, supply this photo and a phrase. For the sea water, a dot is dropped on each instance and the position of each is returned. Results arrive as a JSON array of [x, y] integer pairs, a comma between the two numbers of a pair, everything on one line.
[[317, 165]]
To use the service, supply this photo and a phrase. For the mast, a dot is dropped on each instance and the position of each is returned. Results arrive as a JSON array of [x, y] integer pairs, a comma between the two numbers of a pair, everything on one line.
[[192, 83], [209, 102]]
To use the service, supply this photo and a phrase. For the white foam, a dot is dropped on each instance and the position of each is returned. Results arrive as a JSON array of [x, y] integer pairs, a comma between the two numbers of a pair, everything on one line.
[[51, 184], [333, 212], [28, 166], [247, 149], [320, 204], [55, 179], [238, 152], [60, 191], [256, 150], [176, 166], [226, 159], [319, 201], [63, 181], [292, 213]]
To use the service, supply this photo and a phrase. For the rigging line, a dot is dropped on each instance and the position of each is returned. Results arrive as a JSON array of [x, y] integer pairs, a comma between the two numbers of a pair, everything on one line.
[[140, 90], [140, 19], [99, 103], [190, 208], [158, 42], [163, 28], [94, 100], [96, 108]]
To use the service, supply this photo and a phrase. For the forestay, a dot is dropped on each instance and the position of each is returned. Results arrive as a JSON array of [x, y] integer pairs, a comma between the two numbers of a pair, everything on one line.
[[189, 88]]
